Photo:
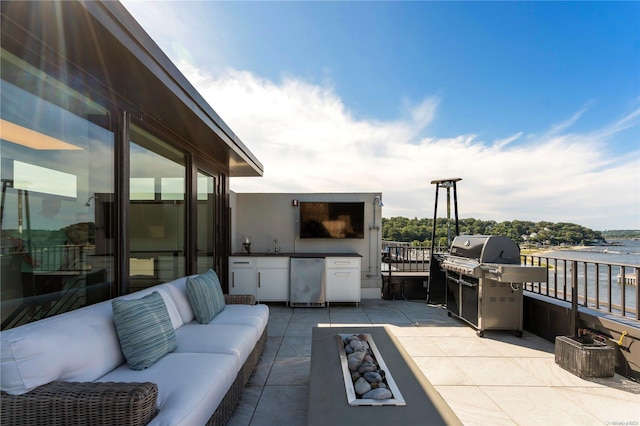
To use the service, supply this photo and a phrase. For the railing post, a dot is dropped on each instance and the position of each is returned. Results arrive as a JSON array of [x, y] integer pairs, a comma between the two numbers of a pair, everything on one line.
[[574, 297], [597, 286], [623, 292], [564, 280], [547, 266], [555, 278], [584, 284], [609, 298], [638, 293]]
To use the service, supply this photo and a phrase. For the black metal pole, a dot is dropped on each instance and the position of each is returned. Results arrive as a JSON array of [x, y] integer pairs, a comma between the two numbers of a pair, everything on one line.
[[448, 216], [455, 206], [433, 228], [574, 298], [432, 260]]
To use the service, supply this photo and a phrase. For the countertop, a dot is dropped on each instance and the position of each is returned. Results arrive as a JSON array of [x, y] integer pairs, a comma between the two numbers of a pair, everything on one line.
[[286, 254]]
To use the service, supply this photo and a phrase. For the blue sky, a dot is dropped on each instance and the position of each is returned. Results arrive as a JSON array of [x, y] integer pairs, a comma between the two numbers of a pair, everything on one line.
[[535, 105]]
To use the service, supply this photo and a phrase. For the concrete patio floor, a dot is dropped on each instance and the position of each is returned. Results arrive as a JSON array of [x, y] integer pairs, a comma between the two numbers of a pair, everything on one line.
[[495, 380]]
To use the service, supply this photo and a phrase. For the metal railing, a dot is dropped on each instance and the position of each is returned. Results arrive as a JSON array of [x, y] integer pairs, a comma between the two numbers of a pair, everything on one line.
[[606, 287], [58, 257], [404, 258]]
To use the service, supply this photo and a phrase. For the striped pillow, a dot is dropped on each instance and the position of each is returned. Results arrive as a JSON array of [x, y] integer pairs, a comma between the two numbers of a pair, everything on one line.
[[218, 296], [205, 296], [144, 329]]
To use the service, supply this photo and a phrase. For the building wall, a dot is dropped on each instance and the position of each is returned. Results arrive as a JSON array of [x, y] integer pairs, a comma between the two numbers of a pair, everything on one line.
[[265, 217]]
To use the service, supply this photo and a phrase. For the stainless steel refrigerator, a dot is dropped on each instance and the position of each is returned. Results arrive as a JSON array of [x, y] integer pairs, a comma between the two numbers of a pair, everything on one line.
[[307, 282]]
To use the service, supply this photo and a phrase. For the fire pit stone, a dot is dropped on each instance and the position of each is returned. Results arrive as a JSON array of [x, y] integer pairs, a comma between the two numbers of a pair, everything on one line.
[[367, 376]]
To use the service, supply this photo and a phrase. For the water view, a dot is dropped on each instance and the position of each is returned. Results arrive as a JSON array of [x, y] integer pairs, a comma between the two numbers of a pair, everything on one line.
[[621, 251], [599, 268]]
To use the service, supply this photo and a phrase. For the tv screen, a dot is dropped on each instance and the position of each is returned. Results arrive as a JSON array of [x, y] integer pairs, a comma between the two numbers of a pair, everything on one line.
[[331, 219]]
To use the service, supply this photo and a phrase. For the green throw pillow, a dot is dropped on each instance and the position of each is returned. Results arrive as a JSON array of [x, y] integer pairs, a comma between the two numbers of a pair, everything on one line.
[[218, 295], [144, 329], [205, 296]]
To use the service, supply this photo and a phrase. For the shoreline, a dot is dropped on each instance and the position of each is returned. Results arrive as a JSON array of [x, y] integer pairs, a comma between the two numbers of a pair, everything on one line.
[[545, 250], [541, 251]]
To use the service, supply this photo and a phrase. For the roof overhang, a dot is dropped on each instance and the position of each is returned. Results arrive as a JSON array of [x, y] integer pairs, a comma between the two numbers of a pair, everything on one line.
[[104, 40]]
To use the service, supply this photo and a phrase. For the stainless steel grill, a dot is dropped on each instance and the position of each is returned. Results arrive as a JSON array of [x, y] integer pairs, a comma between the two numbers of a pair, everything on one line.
[[484, 282]]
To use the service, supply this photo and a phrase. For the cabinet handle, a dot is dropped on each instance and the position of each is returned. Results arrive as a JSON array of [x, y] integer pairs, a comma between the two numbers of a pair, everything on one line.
[[245, 262], [341, 263], [342, 273], [258, 279], [233, 279]]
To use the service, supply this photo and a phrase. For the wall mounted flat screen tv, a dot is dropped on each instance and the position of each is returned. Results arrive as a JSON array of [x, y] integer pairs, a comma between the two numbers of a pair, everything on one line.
[[331, 219]]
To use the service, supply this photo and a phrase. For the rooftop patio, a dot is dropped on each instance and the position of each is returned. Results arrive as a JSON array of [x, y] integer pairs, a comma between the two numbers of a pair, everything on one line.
[[498, 379]]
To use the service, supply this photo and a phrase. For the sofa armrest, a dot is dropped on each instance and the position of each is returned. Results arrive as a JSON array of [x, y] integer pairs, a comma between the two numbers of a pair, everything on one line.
[[74, 403], [239, 299]]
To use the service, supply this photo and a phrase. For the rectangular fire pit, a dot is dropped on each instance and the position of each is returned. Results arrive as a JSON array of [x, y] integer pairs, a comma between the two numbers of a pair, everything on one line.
[[328, 400]]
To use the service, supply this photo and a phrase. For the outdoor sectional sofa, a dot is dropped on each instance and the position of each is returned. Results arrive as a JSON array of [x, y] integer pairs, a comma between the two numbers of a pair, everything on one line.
[[71, 369]]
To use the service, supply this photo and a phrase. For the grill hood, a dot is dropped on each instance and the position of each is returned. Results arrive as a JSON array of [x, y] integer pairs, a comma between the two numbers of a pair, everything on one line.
[[486, 249]]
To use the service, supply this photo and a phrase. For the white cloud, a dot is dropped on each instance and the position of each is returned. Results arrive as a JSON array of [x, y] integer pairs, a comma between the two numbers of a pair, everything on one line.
[[308, 141], [501, 143], [566, 124]]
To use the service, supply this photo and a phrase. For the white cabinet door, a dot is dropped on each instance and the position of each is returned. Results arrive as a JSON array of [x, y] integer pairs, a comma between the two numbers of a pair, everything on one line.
[[273, 279], [273, 285], [343, 279], [242, 275]]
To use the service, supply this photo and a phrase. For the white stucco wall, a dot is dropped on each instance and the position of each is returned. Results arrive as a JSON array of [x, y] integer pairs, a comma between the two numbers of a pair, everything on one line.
[[264, 217]]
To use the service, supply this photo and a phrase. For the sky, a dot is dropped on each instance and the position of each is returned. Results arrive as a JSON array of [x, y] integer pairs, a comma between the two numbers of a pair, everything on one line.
[[534, 105]]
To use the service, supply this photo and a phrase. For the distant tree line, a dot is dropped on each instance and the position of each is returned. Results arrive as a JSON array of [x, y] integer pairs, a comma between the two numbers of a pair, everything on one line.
[[419, 231], [621, 234]]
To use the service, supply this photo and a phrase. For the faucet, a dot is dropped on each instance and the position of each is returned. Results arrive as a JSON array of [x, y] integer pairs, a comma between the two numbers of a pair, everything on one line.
[[276, 249]]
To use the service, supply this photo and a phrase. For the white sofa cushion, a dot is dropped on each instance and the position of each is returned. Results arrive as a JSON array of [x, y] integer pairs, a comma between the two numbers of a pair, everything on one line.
[[190, 385], [176, 319], [178, 290], [237, 340], [256, 316], [80, 345]]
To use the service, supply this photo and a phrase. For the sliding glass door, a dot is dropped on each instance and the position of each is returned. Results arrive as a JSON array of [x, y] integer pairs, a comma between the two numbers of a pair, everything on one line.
[[206, 220], [157, 210]]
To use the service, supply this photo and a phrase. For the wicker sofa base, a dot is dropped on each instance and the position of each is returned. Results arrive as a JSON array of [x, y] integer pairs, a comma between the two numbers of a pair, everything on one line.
[[81, 403], [224, 411]]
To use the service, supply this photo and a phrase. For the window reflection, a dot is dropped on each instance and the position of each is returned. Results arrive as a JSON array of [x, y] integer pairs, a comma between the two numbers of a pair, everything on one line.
[[44, 180], [56, 154], [142, 189], [156, 210], [205, 187]]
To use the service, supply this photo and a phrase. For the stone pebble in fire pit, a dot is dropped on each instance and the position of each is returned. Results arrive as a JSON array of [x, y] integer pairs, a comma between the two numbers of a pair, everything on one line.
[[368, 378]]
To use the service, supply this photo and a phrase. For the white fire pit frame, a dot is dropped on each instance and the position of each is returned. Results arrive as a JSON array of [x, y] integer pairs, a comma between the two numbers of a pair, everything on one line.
[[352, 399]]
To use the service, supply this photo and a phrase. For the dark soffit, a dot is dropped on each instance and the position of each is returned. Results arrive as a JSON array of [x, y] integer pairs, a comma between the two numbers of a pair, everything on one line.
[[102, 39]]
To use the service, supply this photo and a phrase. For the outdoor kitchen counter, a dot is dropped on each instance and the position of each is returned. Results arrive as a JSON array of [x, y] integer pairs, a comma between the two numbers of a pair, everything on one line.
[[270, 277]]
